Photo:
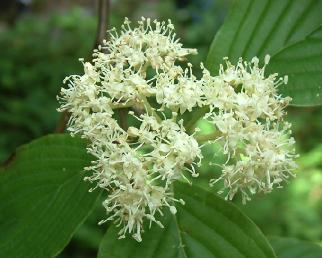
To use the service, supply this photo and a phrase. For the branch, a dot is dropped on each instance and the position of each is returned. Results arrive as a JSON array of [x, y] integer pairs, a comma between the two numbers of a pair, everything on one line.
[[103, 21], [61, 125], [102, 25]]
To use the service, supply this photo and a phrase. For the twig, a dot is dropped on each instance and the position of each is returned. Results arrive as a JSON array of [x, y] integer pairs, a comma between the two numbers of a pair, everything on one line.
[[103, 21], [102, 25], [64, 117]]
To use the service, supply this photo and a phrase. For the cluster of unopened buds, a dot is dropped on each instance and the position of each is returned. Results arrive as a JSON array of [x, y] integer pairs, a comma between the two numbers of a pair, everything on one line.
[[139, 71]]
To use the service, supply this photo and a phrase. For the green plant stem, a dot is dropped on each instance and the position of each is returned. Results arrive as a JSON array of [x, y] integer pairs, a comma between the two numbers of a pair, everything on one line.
[[208, 137], [121, 105], [150, 110], [190, 125]]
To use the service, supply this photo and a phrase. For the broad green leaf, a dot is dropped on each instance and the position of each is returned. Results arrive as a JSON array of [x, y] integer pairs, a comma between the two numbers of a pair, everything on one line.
[[43, 198], [206, 226], [302, 62], [260, 27], [292, 248]]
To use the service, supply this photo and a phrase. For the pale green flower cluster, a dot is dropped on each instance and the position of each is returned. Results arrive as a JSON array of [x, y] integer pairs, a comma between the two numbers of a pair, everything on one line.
[[140, 69]]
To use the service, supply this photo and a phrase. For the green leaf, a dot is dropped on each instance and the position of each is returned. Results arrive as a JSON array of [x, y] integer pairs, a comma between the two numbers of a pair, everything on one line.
[[302, 62], [43, 198], [292, 248], [260, 27], [206, 226]]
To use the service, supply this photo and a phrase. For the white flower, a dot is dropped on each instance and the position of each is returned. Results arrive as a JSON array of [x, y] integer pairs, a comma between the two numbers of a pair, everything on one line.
[[137, 165], [179, 91], [248, 113], [267, 160], [132, 52]]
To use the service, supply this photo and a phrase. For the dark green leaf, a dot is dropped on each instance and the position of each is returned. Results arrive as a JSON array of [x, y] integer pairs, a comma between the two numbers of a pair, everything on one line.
[[260, 27], [206, 226], [302, 62], [43, 198], [292, 248]]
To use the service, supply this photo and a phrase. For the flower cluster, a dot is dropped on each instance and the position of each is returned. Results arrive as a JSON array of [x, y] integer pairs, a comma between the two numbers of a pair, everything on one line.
[[136, 165], [247, 112], [139, 70]]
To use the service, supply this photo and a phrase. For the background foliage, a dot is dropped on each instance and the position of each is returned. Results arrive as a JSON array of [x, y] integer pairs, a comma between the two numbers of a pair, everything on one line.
[[41, 45]]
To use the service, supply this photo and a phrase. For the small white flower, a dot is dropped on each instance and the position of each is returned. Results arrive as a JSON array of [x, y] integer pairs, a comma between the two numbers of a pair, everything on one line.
[[137, 165], [179, 90], [248, 112]]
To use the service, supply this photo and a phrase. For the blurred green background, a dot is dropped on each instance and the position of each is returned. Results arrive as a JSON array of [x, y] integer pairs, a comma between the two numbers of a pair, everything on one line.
[[40, 43]]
